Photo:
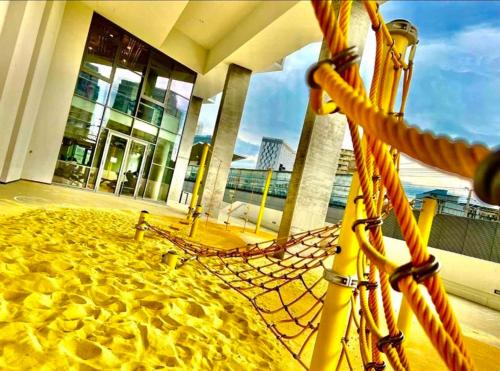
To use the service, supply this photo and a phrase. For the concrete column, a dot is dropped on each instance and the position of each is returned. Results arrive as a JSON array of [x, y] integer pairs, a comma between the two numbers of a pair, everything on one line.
[[23, 23], [224, 138], [32, 91], [184, 153], [58, 91], [318, 153]]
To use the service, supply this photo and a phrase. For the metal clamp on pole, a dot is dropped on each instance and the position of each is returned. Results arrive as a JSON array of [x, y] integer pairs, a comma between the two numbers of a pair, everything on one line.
[[420, 273], [338, 279], [339, 62], [375, 366], [390, 340], [370, 223]]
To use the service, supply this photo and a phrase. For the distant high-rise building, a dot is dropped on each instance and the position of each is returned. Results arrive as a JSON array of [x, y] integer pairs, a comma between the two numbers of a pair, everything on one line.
[[345, 159], [275, 154]]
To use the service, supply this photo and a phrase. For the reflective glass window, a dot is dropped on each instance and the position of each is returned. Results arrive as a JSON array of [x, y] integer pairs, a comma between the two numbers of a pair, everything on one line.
[[124, 91], [158, 183], [150, 112], [165, 147], [96, 162], [145, 131], [116, 120], [177, 107], [101, 47], [182, 81], [156, 83], [92, 88], [84, 120], [160, 175]]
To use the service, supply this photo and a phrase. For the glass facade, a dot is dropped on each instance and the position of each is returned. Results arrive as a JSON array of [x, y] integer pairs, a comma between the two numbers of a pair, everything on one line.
[[126, 117], [253, 181]]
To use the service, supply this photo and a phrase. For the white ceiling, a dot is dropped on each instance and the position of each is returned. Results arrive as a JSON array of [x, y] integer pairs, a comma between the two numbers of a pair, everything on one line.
[[208, 22], [208, 35]]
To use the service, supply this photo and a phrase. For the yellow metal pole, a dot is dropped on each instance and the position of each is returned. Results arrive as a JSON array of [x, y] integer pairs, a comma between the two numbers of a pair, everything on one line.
[[170, 259], [404, 34], [263, 200], [140, 228], [425, 219], [196, 219], [199, 178], [334, 317]]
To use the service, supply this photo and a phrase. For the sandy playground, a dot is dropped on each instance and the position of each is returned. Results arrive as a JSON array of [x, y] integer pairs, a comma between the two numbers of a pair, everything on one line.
[[78, 293]]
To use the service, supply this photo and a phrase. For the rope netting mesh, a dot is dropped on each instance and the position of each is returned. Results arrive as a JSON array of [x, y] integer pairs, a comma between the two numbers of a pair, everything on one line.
[[284, 280], [287, 292]]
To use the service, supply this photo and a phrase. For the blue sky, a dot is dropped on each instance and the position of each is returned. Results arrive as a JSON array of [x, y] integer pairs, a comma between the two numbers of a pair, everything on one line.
[[455, 89]]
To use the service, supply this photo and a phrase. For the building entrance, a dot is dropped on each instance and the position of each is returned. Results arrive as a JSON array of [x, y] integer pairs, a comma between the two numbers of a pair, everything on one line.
[[122, 165]]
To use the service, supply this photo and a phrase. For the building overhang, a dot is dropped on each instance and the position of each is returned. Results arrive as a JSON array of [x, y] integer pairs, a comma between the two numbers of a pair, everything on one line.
[[207, 36]]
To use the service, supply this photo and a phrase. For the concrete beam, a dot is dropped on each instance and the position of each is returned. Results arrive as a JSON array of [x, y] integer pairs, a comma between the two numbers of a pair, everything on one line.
[[184, 153], [224, 138], [318, 153]]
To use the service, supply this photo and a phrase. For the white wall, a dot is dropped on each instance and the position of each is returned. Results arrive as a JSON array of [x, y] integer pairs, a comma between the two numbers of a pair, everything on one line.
[[56, 98], [469, 278], [17, 42], [33, 90]]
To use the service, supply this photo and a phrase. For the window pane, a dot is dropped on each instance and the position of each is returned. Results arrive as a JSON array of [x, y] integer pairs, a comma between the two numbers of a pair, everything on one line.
[[92, 88], [158, 183], [182, 81], [124, 91], [134, 54], [164, 149], [157, 81], [143, 130], [97, 159], [78, 143], [150, 112], [101, 47], [70, 173], [177, 107], [84, 120], [145, 172], [115, 120]]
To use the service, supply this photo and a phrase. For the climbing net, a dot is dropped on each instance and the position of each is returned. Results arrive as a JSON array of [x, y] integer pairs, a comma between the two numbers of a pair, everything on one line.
[[283, 281], [286, 274]]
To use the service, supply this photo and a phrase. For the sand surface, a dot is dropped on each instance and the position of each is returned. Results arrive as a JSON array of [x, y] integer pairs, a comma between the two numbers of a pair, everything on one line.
[[76, 292]]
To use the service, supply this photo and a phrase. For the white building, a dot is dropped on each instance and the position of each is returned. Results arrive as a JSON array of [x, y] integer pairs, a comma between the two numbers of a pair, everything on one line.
[[275, 154]]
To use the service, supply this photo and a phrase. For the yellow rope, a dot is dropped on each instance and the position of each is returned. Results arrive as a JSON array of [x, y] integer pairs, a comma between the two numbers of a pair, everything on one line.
[[451, 156]]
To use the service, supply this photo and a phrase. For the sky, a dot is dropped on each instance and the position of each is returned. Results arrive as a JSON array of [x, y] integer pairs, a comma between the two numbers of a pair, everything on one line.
[[455, 88]]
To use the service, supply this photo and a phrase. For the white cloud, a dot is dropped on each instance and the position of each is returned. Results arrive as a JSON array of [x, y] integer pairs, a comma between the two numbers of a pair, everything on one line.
[[250, 137], [248, 163], [471, 50]]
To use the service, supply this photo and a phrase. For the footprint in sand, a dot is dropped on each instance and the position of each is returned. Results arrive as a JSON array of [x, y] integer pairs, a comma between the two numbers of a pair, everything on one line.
[[83, 349]]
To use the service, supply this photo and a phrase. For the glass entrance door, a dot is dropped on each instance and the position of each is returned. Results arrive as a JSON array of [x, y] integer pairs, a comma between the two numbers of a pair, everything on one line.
[[133, 168], [111, 166], [122, 165]]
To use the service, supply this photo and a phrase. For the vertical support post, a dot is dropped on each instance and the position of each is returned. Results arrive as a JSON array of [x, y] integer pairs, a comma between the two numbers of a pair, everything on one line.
[[170, 259], [429, 207], [334, 317], [140, 228], [263, 200], [199, 178], [196, 220]]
